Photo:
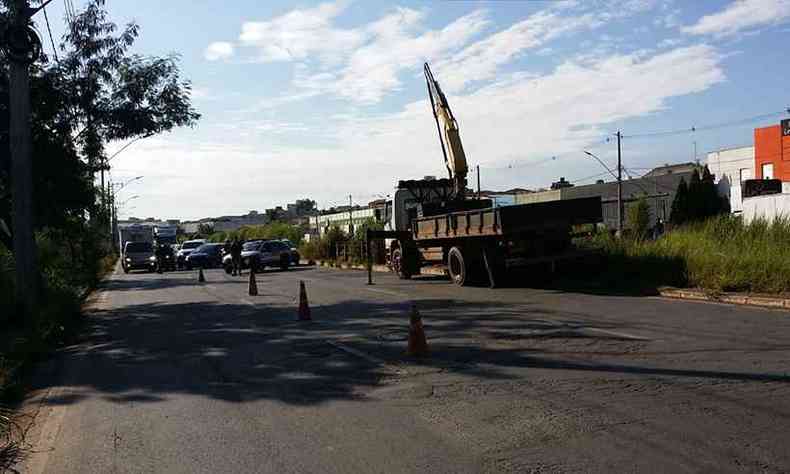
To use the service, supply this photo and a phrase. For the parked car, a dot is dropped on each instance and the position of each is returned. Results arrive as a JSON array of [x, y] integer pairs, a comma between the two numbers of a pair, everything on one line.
[[205, 256], [138, 255], [295, 257], [259, 254], [165, 258], [185, 249]]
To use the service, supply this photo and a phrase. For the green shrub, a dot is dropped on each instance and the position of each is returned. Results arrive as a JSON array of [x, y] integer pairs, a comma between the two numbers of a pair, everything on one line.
[[719, 254]]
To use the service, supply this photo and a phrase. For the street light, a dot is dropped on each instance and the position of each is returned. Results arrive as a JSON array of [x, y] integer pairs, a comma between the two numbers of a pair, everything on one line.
[[619, 178], [127, 200], [602, 163], [136, 178]]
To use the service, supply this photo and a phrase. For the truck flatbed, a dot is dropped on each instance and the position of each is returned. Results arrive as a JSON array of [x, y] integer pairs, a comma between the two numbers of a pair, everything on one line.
[[507, 220]]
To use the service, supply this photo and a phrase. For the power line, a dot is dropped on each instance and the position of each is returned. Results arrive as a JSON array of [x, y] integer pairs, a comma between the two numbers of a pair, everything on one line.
[[704, 128], [49, 30]]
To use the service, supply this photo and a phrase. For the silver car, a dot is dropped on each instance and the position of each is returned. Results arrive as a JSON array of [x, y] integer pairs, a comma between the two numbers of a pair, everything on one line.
[[259, 254]]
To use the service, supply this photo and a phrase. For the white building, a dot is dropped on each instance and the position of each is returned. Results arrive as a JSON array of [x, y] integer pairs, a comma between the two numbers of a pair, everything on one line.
[[344, 220], [731, 167], [768, 207]]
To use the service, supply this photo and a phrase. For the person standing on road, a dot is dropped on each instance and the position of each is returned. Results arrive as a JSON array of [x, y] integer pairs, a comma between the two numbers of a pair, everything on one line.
[[235, 254]]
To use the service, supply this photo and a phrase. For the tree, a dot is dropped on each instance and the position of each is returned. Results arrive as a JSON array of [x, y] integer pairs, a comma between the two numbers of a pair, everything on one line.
[[116, 95], [639, 218], [679, 211], [205, 229], [98, 92]]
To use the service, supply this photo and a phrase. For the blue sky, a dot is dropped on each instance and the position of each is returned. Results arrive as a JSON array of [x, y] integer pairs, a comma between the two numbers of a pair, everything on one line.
[[326, 99]]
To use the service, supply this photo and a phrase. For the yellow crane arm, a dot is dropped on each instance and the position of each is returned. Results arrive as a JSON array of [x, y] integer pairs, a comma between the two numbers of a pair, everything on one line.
[[450, 139]]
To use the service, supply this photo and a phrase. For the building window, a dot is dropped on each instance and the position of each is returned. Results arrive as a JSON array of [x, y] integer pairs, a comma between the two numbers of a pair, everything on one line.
[[745, 173], [768, 171]]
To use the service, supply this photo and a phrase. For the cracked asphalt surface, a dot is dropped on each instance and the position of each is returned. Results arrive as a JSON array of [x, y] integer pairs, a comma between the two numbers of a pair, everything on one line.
[[176, 376]]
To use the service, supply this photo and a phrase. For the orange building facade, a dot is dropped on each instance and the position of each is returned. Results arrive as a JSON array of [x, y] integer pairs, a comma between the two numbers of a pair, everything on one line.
[[772, 152]]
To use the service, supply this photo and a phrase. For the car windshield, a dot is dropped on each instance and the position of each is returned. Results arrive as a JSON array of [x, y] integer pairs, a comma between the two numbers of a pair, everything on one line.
[[191, 245], [135, 247], [251, 246], [206, 248], [287, 242]]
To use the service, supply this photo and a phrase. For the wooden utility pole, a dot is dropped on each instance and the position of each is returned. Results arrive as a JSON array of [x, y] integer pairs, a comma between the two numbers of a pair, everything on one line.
[[619, 186], [22, 48]]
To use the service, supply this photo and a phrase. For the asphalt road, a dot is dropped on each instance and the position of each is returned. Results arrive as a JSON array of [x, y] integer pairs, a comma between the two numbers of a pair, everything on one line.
[[177, 376]]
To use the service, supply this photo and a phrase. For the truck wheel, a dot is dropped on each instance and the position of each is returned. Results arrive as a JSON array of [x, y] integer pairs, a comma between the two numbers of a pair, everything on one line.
[[284, 261], [458, 267], [398, 265]]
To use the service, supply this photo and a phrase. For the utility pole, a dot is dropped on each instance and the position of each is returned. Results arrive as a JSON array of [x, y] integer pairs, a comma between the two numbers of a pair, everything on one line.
[[22, 47], [619, 186], [478, 181], [696, 159], [350, 216]]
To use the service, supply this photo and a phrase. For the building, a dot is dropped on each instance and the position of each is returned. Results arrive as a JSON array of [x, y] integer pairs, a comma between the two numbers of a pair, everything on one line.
[[772, 151], [226, 223], [346, 220], [658, 187], [731, 167], [736, 170]]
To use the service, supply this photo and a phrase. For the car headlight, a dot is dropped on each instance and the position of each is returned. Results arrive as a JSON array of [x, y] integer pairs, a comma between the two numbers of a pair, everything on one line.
[[128, 259], [153, 259]]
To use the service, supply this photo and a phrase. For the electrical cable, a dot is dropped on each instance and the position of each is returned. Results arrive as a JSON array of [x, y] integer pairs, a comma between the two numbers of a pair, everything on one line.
[[49, 30]]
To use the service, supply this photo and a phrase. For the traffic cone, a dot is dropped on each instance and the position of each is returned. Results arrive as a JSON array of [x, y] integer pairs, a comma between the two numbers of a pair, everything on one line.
[[253, 286], [201, 278], [304, 307], [418, 345]]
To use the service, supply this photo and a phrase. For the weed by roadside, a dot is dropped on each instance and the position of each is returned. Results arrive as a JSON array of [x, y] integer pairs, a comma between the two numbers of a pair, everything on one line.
[[717, 255]]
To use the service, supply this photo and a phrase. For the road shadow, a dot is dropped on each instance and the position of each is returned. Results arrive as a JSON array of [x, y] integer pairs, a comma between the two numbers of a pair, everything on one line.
[[147, 352]]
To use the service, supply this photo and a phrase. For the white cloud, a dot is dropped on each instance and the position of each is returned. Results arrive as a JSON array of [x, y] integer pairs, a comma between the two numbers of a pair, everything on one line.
[[218, 50], [300, 33], [518, 118], [741, 15], [481, 60], [373, 70]]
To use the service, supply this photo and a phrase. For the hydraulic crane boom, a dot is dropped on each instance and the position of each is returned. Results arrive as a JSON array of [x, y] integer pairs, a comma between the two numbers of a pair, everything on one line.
[[447, 126]]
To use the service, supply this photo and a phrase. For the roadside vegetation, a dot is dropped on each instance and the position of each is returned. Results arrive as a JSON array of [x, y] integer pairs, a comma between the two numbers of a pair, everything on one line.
[[95, 92], [717, 255], [274, 230], [351, 247]]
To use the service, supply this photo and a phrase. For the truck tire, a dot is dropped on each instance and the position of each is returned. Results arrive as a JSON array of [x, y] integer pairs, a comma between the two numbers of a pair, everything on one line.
[[458, 267], [285, 261], [398, 265]]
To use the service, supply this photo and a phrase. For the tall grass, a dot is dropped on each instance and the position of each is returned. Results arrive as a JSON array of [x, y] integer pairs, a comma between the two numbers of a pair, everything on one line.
[[719, 254]]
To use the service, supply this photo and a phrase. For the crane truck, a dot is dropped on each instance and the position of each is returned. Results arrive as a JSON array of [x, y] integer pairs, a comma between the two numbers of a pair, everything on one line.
[[435, 222]]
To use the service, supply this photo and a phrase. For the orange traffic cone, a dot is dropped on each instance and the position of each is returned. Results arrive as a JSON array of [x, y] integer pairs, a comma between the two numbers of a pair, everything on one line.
[[418, 345], [253, 286], [201, 278], [304, 307]]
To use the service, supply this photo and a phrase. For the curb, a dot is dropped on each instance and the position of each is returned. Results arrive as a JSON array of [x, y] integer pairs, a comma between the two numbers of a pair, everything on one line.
[[763, 301]]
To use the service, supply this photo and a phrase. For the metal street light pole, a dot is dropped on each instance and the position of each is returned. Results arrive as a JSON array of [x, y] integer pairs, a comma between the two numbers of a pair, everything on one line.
[[619, 178]]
